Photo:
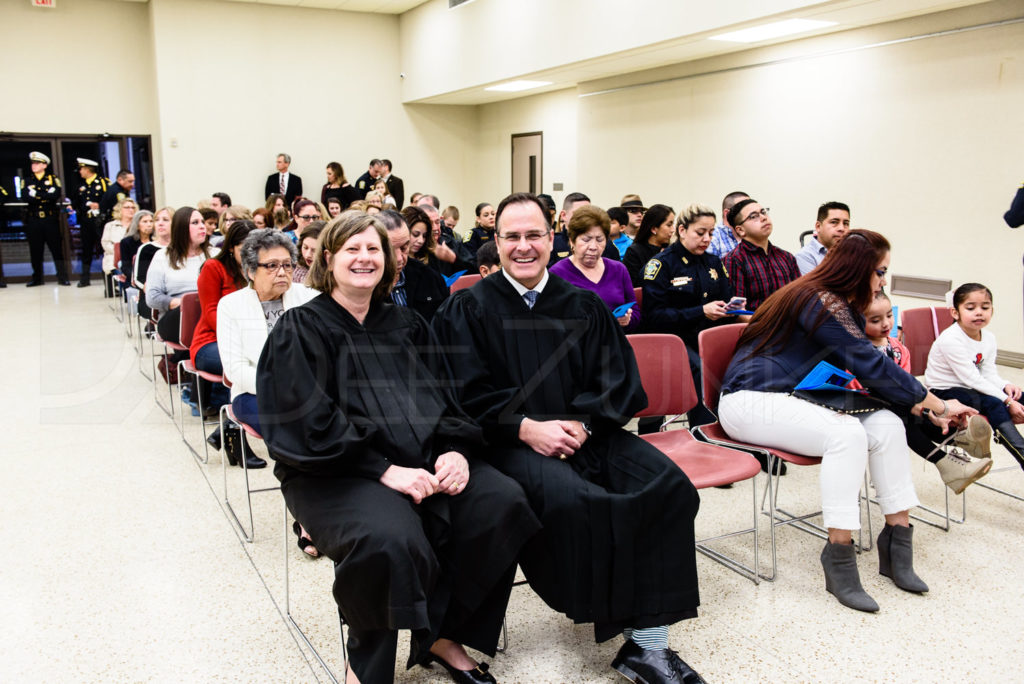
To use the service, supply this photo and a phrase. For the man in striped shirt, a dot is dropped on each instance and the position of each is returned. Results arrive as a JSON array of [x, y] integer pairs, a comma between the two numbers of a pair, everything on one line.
[[756, 267]]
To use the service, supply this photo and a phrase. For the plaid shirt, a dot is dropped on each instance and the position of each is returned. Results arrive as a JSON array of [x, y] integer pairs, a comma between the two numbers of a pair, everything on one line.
[[756, 274], [722, 241]]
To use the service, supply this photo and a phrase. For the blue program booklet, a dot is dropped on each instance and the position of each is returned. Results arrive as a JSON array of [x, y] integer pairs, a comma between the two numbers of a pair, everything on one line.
[[620, 311], [448, 280], [825, 376]]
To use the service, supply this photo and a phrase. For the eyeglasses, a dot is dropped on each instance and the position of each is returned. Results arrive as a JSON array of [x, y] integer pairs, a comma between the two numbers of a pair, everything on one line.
[[275, 266], [757, 214], [309, 217], [531, 237]]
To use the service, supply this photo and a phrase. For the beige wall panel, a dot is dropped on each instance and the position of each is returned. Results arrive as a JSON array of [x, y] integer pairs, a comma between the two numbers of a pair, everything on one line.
[[83, 67], [921, 138]]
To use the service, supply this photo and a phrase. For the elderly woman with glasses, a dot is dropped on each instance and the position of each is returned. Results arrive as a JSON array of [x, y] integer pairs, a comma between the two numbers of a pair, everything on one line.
[[245, 317]]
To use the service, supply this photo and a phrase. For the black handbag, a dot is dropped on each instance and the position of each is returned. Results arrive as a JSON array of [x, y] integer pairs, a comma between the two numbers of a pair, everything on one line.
[[841, 401]]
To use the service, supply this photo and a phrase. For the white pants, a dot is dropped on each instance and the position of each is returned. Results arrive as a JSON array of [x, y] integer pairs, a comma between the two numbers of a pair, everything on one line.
[[844, 443]]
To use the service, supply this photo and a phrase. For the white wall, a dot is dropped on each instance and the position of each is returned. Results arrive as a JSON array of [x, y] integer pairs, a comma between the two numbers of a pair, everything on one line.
[[250, 81], [921, 138], [82, 67]]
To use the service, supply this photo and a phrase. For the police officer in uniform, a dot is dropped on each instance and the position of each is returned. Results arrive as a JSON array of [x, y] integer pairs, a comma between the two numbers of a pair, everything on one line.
[[42, 192], [90, 216], [476, 237], [686, 290]]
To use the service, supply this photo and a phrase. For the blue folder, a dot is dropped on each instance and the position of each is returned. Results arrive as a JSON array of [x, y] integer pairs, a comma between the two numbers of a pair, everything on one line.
[[448, 280], [825, 376]]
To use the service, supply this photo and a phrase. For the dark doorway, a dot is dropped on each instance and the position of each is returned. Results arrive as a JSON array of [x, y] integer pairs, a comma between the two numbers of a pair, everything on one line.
[[113, 154]]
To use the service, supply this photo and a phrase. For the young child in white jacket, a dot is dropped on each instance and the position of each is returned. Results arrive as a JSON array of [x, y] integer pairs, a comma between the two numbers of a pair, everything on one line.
[[962, 366]]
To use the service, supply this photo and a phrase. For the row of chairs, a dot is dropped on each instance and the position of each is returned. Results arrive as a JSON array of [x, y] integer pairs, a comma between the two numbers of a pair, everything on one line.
[[711, 460]]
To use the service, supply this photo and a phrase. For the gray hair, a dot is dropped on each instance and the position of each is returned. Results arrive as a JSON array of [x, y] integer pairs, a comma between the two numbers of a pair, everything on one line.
[[133, 227], [391, 219], [287, 158], [264, 238], [430, 209]]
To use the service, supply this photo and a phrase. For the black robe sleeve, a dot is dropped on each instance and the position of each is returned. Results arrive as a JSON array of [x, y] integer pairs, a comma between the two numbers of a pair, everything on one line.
[[301, 421]]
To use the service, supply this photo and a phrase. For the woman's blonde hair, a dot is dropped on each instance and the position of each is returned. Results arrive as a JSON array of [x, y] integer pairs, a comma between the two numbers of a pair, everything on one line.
[[116, 212], [688, 216], [335, 234], [235, 211]]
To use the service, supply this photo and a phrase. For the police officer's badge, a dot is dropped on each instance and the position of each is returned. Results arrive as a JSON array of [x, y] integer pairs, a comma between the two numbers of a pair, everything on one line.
[[651, 269]]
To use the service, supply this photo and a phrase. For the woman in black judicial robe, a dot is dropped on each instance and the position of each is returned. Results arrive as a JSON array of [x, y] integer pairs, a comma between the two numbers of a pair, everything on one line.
[[371, 451], [617, 546]]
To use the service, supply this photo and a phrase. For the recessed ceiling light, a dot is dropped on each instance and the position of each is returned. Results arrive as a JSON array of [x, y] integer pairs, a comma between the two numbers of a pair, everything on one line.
[[775, 29], [516, 86]]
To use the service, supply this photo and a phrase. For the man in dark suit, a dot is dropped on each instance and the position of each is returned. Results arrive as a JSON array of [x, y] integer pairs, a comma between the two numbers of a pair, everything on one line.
[[282, 182], [395, 185], [364, 184]]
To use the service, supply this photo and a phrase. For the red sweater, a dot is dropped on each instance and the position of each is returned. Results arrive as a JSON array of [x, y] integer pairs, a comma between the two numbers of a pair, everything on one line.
[[213, 283]]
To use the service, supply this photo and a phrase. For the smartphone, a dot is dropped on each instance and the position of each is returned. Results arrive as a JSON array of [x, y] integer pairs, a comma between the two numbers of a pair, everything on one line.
[[736, 303]]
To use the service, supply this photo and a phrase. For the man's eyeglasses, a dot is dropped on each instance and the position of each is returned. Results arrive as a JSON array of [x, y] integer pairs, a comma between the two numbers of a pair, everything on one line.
[[531, 237], [275, 266], [763, 214], [310, 217]]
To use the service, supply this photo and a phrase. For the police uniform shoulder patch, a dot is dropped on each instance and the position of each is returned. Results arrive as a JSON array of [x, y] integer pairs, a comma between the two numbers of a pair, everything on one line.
[[468, 236], [651, 269]]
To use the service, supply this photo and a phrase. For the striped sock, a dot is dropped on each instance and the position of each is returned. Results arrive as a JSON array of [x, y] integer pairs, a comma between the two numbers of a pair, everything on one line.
[[650, 639]]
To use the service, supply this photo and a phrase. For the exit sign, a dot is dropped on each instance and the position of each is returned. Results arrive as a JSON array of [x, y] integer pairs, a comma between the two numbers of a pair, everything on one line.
[[44, 3]]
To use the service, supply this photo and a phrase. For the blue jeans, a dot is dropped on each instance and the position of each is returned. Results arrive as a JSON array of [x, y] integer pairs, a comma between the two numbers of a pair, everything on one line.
[[208, 361], [246, 410]]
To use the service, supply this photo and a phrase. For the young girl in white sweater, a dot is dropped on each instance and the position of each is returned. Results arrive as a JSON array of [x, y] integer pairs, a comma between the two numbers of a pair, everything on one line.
[[962, 366]]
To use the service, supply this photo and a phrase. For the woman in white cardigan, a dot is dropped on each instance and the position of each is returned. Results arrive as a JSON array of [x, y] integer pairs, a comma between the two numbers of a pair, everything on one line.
[[245, 317]]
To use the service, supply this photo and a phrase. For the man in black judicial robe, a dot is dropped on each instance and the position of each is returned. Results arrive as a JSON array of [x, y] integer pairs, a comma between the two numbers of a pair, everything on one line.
[[340, 402], [545, 369]]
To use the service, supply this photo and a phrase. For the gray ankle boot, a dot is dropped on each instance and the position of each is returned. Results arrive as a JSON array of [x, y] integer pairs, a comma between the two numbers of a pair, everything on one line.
[[896, 558], [842, 580]]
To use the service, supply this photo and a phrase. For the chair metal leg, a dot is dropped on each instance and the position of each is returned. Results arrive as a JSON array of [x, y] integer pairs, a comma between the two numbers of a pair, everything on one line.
[[251, 533], [205, 458], [997, 489], [751, 573], [291, 618]]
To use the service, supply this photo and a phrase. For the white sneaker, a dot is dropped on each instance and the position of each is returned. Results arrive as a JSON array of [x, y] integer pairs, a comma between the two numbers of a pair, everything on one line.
[[976, 438], [958, 470]]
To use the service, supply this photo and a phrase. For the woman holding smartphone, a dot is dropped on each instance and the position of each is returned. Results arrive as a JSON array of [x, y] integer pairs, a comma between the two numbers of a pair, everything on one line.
[[686, 290]]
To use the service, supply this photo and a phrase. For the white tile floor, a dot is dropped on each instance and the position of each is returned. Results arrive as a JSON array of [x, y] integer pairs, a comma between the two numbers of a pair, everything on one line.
[[120, 563]]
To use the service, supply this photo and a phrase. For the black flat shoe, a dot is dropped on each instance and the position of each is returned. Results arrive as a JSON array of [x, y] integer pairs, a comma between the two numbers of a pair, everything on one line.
[[653, 667], [65, 282], [304, 542], [83, 283], [34, 283], [478, 675]]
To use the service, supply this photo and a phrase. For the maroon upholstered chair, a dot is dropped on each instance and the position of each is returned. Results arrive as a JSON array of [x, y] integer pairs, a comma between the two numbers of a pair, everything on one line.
[[468, 280], [665, 374]]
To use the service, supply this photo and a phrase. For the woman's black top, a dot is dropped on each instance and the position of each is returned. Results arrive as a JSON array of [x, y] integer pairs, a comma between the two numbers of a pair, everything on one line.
[[636, 258]]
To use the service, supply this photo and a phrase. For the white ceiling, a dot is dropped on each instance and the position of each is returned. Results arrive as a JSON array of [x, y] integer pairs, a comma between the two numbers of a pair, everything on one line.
[[378, 6], [849, 14]]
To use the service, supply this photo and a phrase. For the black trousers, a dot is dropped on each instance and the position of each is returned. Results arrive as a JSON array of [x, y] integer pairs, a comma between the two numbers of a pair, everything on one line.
[[442, 568], [90, 231], [40, 232]]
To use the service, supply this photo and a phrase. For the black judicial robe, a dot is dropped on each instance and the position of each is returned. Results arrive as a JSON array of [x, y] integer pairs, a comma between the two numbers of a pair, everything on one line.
[[617, 547], [339, 403]]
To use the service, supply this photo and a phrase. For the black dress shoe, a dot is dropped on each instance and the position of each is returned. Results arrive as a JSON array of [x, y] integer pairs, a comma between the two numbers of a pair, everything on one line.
[[653, 667], [478, 675], [65, 282], [34, 283], [83, 283], [253, 462]]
